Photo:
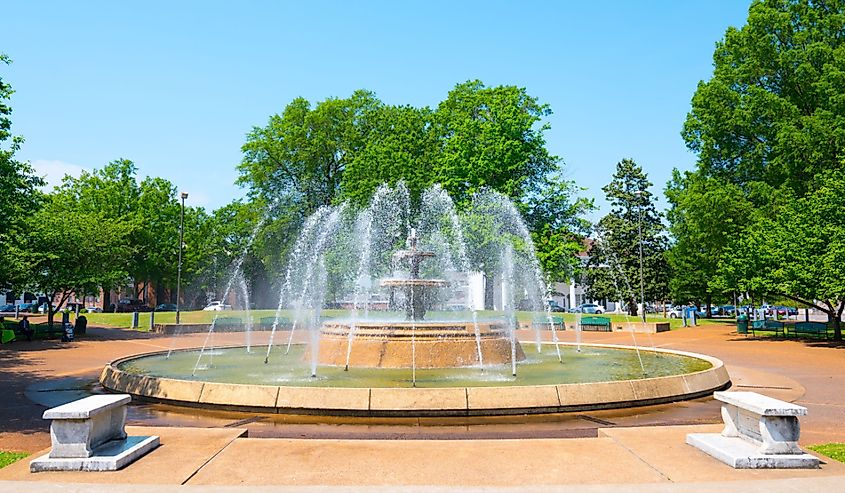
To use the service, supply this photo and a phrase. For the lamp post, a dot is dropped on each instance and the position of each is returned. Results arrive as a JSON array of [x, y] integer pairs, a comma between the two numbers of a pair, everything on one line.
[[639, 194], [181, 247]]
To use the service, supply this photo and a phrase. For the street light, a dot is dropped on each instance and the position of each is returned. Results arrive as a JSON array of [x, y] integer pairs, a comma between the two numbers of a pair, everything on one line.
[[181, 246], [639, 193]]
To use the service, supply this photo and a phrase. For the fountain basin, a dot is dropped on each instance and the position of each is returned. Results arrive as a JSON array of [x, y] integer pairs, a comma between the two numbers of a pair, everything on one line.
[[421, 344], [463, 399]]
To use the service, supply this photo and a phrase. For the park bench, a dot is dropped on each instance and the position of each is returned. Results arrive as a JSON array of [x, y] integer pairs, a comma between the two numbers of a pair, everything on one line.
[[760, 433], [266, 323], [601, 324], [814, 329], [543, 323], [228, 323], [89, 435], [767, 326]]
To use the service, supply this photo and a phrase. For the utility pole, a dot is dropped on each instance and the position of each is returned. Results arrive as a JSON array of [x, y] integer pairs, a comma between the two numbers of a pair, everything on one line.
[[181, 247]]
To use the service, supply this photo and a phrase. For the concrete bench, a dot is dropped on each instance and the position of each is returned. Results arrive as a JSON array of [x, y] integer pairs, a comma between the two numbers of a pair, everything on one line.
[[760, 432], [88, 435]]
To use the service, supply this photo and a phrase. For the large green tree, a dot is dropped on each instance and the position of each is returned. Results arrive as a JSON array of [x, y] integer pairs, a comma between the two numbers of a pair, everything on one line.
[[704, 215], [69, 250], [774, 110], [613, 271], [492, 137], [769, 128], [19, 194]]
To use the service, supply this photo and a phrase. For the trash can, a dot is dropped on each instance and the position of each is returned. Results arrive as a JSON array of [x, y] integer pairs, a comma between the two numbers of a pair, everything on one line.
[[81, 325], [742, 324]]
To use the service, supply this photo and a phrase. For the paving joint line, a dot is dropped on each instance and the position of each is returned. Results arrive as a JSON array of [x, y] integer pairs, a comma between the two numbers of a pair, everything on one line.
[[191, 476]]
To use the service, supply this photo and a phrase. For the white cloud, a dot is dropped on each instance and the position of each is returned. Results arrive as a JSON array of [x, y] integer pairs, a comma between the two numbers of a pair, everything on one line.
[[53, 171]]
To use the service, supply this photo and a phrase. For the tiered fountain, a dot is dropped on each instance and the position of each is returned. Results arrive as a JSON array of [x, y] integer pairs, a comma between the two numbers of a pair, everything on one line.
[[415, 342], [413, 355]]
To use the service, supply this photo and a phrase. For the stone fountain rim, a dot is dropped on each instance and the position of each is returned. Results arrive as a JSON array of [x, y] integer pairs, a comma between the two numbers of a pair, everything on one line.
[[421, 402]]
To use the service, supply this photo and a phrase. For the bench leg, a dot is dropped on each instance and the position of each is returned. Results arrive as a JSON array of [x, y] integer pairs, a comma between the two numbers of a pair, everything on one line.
[[780, 435]]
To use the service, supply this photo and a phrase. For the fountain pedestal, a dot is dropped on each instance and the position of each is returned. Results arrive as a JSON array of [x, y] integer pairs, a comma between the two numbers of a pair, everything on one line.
[[421, 344]]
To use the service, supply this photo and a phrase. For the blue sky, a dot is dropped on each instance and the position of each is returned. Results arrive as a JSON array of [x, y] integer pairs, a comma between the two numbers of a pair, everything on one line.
[[175, 86]]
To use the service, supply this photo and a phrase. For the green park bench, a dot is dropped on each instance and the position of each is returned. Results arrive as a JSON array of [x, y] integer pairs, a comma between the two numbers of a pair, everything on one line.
[[601, 324], [266, 323], [767, 326], [543, 323], [814, 329], [228, 323]]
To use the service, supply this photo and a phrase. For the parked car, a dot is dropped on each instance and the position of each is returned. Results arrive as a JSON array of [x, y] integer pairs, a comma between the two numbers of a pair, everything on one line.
[[27, 307], [42, 308], [589, 308], [553, 306], [93, 309], [216, 306], [7, 308], [166, 307], [127, 305], [727, 310]]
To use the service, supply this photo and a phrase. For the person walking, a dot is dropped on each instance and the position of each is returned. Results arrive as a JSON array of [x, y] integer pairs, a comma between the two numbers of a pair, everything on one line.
[[26, 328]]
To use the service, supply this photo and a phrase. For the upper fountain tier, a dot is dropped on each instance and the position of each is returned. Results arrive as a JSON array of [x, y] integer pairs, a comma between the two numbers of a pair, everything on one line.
[[415, 288]]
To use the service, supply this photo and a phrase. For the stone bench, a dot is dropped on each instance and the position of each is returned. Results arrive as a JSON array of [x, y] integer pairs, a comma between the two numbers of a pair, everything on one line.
[[88, 435], [760, 433]]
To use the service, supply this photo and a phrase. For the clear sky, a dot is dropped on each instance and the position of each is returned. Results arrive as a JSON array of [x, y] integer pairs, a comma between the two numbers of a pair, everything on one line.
[[175, 86]]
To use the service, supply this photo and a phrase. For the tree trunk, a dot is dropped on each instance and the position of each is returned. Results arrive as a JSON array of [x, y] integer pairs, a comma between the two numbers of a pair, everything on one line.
[[709, 301], [632, 307], [837, 329]]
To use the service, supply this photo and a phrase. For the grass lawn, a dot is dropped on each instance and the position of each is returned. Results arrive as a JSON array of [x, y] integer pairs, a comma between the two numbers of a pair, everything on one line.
[[835, 451], [124, 320], [7, 458]]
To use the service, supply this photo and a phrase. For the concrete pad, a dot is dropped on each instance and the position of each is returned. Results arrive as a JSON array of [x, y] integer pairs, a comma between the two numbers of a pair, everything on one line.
[[323, 398], [664, 448], [423, 399], [229, 394], [182, 452], [423, 462], [110, 456], [512, 397], [741, 454]]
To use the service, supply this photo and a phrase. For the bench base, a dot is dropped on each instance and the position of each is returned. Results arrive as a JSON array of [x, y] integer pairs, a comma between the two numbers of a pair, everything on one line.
[[110, 456], [742, 454]]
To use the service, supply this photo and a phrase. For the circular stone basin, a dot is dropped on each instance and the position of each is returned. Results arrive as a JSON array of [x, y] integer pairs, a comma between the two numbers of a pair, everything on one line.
[[597, 377]]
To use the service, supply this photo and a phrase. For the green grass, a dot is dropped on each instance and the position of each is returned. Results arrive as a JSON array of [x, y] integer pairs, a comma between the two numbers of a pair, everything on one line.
[[835, 451], [124, 320], [7, 458]]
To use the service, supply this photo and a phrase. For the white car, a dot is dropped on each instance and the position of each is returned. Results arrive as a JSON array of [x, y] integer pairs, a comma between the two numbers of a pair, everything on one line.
[[93, 309], [216, 306]]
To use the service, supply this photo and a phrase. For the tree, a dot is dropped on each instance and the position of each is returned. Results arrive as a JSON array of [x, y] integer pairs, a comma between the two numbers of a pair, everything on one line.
[[490, 138], [69, 250], [774, 110], [19, 194], [806, 248], [400, 146], [613, 271], [704, 213], [555, 216], [771, 121]]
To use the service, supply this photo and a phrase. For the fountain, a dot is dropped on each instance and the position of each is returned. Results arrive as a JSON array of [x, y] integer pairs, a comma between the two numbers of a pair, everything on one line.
[[386, 315], [438, 344]]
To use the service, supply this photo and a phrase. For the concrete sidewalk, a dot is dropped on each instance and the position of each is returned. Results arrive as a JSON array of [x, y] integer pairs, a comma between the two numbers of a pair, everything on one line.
[[620, 458]]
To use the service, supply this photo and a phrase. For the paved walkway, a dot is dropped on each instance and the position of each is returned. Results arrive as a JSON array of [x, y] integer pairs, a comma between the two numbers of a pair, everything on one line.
[[655, 459]]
